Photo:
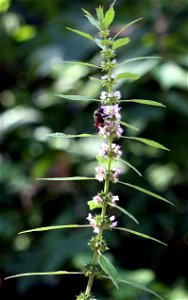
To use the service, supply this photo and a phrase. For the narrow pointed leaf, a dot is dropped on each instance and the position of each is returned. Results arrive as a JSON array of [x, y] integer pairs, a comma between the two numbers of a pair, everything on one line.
[[145, 102], [127, 75], [68, 178], [95, 79], [91, 19], [140, 234], [140, 287], [124, 211], [72, 136], [55, 227], [109, 15], [44, 274], [147, 142], [130, 166], [138, 58], [126, 26], [76, 97], [80, 63], [120, 42], [84, 34], [99, 43], [145, 191], [129, 125], [109, 269]]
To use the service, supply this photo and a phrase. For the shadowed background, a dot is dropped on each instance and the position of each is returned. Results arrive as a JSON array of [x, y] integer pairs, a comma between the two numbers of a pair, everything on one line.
[[33, 44]]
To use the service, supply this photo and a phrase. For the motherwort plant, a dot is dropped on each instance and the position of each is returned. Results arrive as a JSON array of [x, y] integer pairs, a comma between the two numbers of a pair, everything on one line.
[[110, 128]]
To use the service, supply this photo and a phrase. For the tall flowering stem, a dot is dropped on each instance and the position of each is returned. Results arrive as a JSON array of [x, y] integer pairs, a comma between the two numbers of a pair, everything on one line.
[[107, 122]]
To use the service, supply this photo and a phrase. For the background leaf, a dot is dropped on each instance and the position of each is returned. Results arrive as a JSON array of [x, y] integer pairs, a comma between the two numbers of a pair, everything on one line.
[[147, 142]]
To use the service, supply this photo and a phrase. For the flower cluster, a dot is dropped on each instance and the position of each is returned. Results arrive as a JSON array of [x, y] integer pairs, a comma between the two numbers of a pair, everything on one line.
[[102, 174], [97, 222], [106, 151], [105, 198]]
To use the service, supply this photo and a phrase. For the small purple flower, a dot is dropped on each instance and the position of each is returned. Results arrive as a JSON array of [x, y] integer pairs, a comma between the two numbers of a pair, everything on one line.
[[110, 128], [116, 150], [93, 223], [103, 95], [113, 224], [114, 199], [117, 94], [100, 173], [112, 111], [97, 199], [116, 174]]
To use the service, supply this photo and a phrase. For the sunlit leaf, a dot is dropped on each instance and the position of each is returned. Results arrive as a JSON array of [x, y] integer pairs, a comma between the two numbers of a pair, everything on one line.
[[67, 178], [126, 26], [120, 42], [147, 142], [139, 234], [127, 75], [80, 63], [130, 166], [76, 97], [99, 43], [55, 227], [109, 15], [72, 136], [109, 269], [84, 34], [128, 125], [95, 79], [140, 287], [44, 274], [138, 58], [145, 102], [124, 211], [91, 19], [145, 191], [93, 205]]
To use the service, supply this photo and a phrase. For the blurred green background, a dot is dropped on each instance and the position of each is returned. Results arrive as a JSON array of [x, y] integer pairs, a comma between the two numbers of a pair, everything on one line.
[[33, 44]]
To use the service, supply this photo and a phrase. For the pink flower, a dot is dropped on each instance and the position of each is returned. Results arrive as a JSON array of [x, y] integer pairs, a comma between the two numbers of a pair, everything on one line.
[[116, 174], [97, 199], [116, 150], [100, 173], [114, 199], [113, 224], [112, 111], [93, 223]]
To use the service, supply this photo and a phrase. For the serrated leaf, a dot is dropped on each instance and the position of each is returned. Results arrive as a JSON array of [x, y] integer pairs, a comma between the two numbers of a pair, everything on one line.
[[72, 136], [140, 234], [92, 205], [76, 97], [68, 178], [138, 58], [127, 75], [145, 191], [91, 19], [147, 142], [124, 211], [109, 269], [109, 15], [139, 286], [79, 63], [84, 34], [126, 26], [43, 274], [145, 102], [55, 227], [128, 125], [130, 166], [120, 42]]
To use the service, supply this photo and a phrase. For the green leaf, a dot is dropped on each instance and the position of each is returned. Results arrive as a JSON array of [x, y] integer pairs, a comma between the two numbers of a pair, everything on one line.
[[140, 234], [130, 166], [120, 42], [44, 274], [109, 16], [91, 19], [80, 63], [126, 26], [128, 125], [145, 102], [127, 75], [138, 58], [84, 34], [67, 178], [93, 205], [139, 286], [147, 142], [109, 269], [55, 227], [72, 136], [145, 191], [76, 97], [99, 43], [124, 211], [95, 79]]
